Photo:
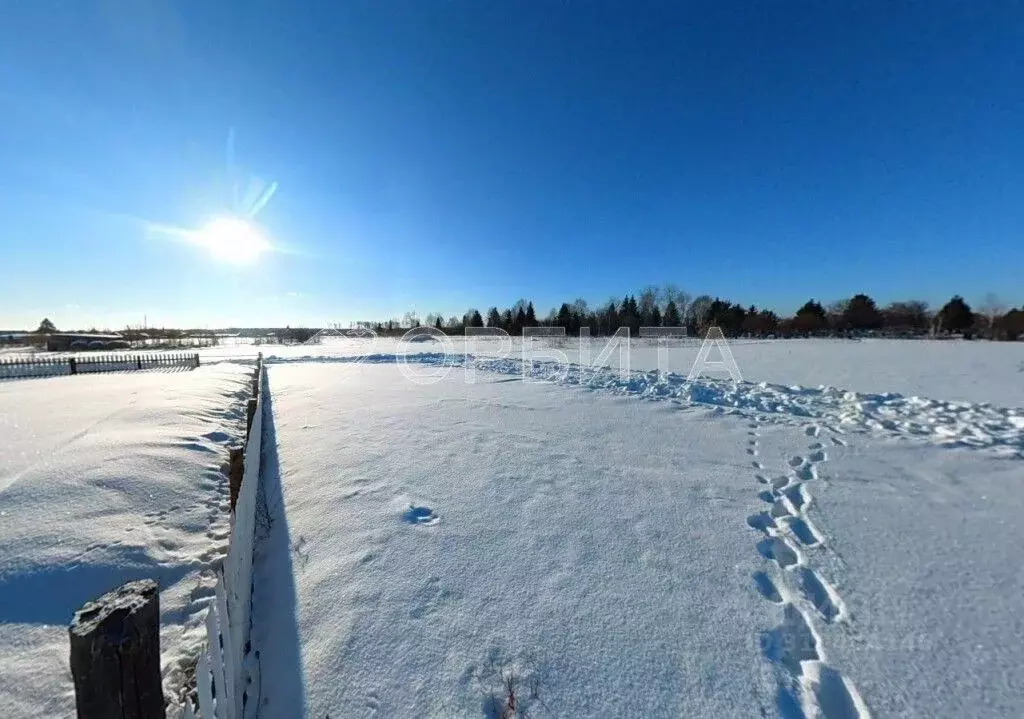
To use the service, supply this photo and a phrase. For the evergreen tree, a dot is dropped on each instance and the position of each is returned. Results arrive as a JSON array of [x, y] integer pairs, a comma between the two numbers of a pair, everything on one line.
[[1011, 325], [519, 322], [810, 318], [531, 316], [493, 318], [476, 320], [629, 315], [861, 313], [671, 318], [608, 320], [46, 327], [654, 318], [956, 315], [564, 318]]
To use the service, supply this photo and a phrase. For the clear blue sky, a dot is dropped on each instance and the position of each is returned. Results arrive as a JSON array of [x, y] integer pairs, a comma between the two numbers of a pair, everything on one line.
[[438, 155]]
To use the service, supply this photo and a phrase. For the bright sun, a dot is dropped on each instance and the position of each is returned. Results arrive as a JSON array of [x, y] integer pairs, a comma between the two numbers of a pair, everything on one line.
[[232, 240]]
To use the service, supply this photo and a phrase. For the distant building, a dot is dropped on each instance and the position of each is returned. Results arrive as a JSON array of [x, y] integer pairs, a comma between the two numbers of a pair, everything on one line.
[[77, 341]]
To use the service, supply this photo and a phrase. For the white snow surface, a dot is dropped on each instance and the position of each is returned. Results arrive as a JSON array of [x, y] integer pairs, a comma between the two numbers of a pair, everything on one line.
[[974, 372], [439, 535], [836, 536], [722, 549], [105, 479]]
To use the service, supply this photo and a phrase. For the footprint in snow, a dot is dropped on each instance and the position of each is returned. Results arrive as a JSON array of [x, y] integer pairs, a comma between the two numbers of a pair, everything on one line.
[[420, 515], [767, 587]]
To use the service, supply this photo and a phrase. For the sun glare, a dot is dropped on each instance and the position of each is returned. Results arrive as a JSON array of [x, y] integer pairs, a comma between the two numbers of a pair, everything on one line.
[[232, 240]]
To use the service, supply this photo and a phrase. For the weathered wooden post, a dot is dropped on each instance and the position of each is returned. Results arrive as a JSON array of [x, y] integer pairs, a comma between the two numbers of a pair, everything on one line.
[[115, 654], [73, 364], [250, 414], [236, 469], [138, 361]]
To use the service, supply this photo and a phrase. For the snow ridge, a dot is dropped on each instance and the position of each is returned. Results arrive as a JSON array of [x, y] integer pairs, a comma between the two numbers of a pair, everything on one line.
[[951, 424]]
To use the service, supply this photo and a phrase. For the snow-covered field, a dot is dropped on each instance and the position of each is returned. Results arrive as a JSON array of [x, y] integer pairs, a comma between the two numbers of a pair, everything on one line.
[[718, 550], [104, 479], [836, 536], [950, 370]]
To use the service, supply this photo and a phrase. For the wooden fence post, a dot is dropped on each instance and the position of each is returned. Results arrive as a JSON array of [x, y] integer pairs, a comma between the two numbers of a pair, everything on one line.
[[236, 469], [115, 654], [73, 364], [250, 414]]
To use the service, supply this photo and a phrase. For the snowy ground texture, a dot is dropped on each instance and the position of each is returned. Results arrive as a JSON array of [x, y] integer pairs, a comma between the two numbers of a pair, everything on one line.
[[106, 479], [641, 545], [837, 536]]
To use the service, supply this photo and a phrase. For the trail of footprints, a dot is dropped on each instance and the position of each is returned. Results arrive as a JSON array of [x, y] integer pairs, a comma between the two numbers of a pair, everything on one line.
[[808, 686]]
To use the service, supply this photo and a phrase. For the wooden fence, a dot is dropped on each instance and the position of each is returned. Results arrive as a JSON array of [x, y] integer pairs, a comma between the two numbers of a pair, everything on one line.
[[108, 671], [21, 367], [227, 664]]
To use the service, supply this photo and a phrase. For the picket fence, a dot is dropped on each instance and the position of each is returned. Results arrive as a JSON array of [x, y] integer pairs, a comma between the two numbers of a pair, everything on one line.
[[27, 367], [226, 664]]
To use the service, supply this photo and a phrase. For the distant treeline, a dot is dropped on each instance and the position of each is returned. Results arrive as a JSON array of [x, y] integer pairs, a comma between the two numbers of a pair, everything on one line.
[[669, 307], [653, 307]]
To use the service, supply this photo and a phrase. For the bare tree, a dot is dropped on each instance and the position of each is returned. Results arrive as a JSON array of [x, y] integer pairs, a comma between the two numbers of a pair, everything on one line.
[[697, 311], [672, 293], [648, 300], [992, 308]]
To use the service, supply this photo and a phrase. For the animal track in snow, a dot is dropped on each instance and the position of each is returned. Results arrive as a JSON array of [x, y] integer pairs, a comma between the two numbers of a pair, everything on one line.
[[813, 431], [795, 461]]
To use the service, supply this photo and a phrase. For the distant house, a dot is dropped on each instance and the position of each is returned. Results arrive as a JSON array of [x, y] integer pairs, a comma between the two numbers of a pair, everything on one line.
[[77, 341]]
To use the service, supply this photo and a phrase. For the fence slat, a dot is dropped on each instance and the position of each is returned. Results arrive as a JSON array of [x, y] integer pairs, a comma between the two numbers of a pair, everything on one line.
[[216, 660], [203, 687], [227, 648]]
